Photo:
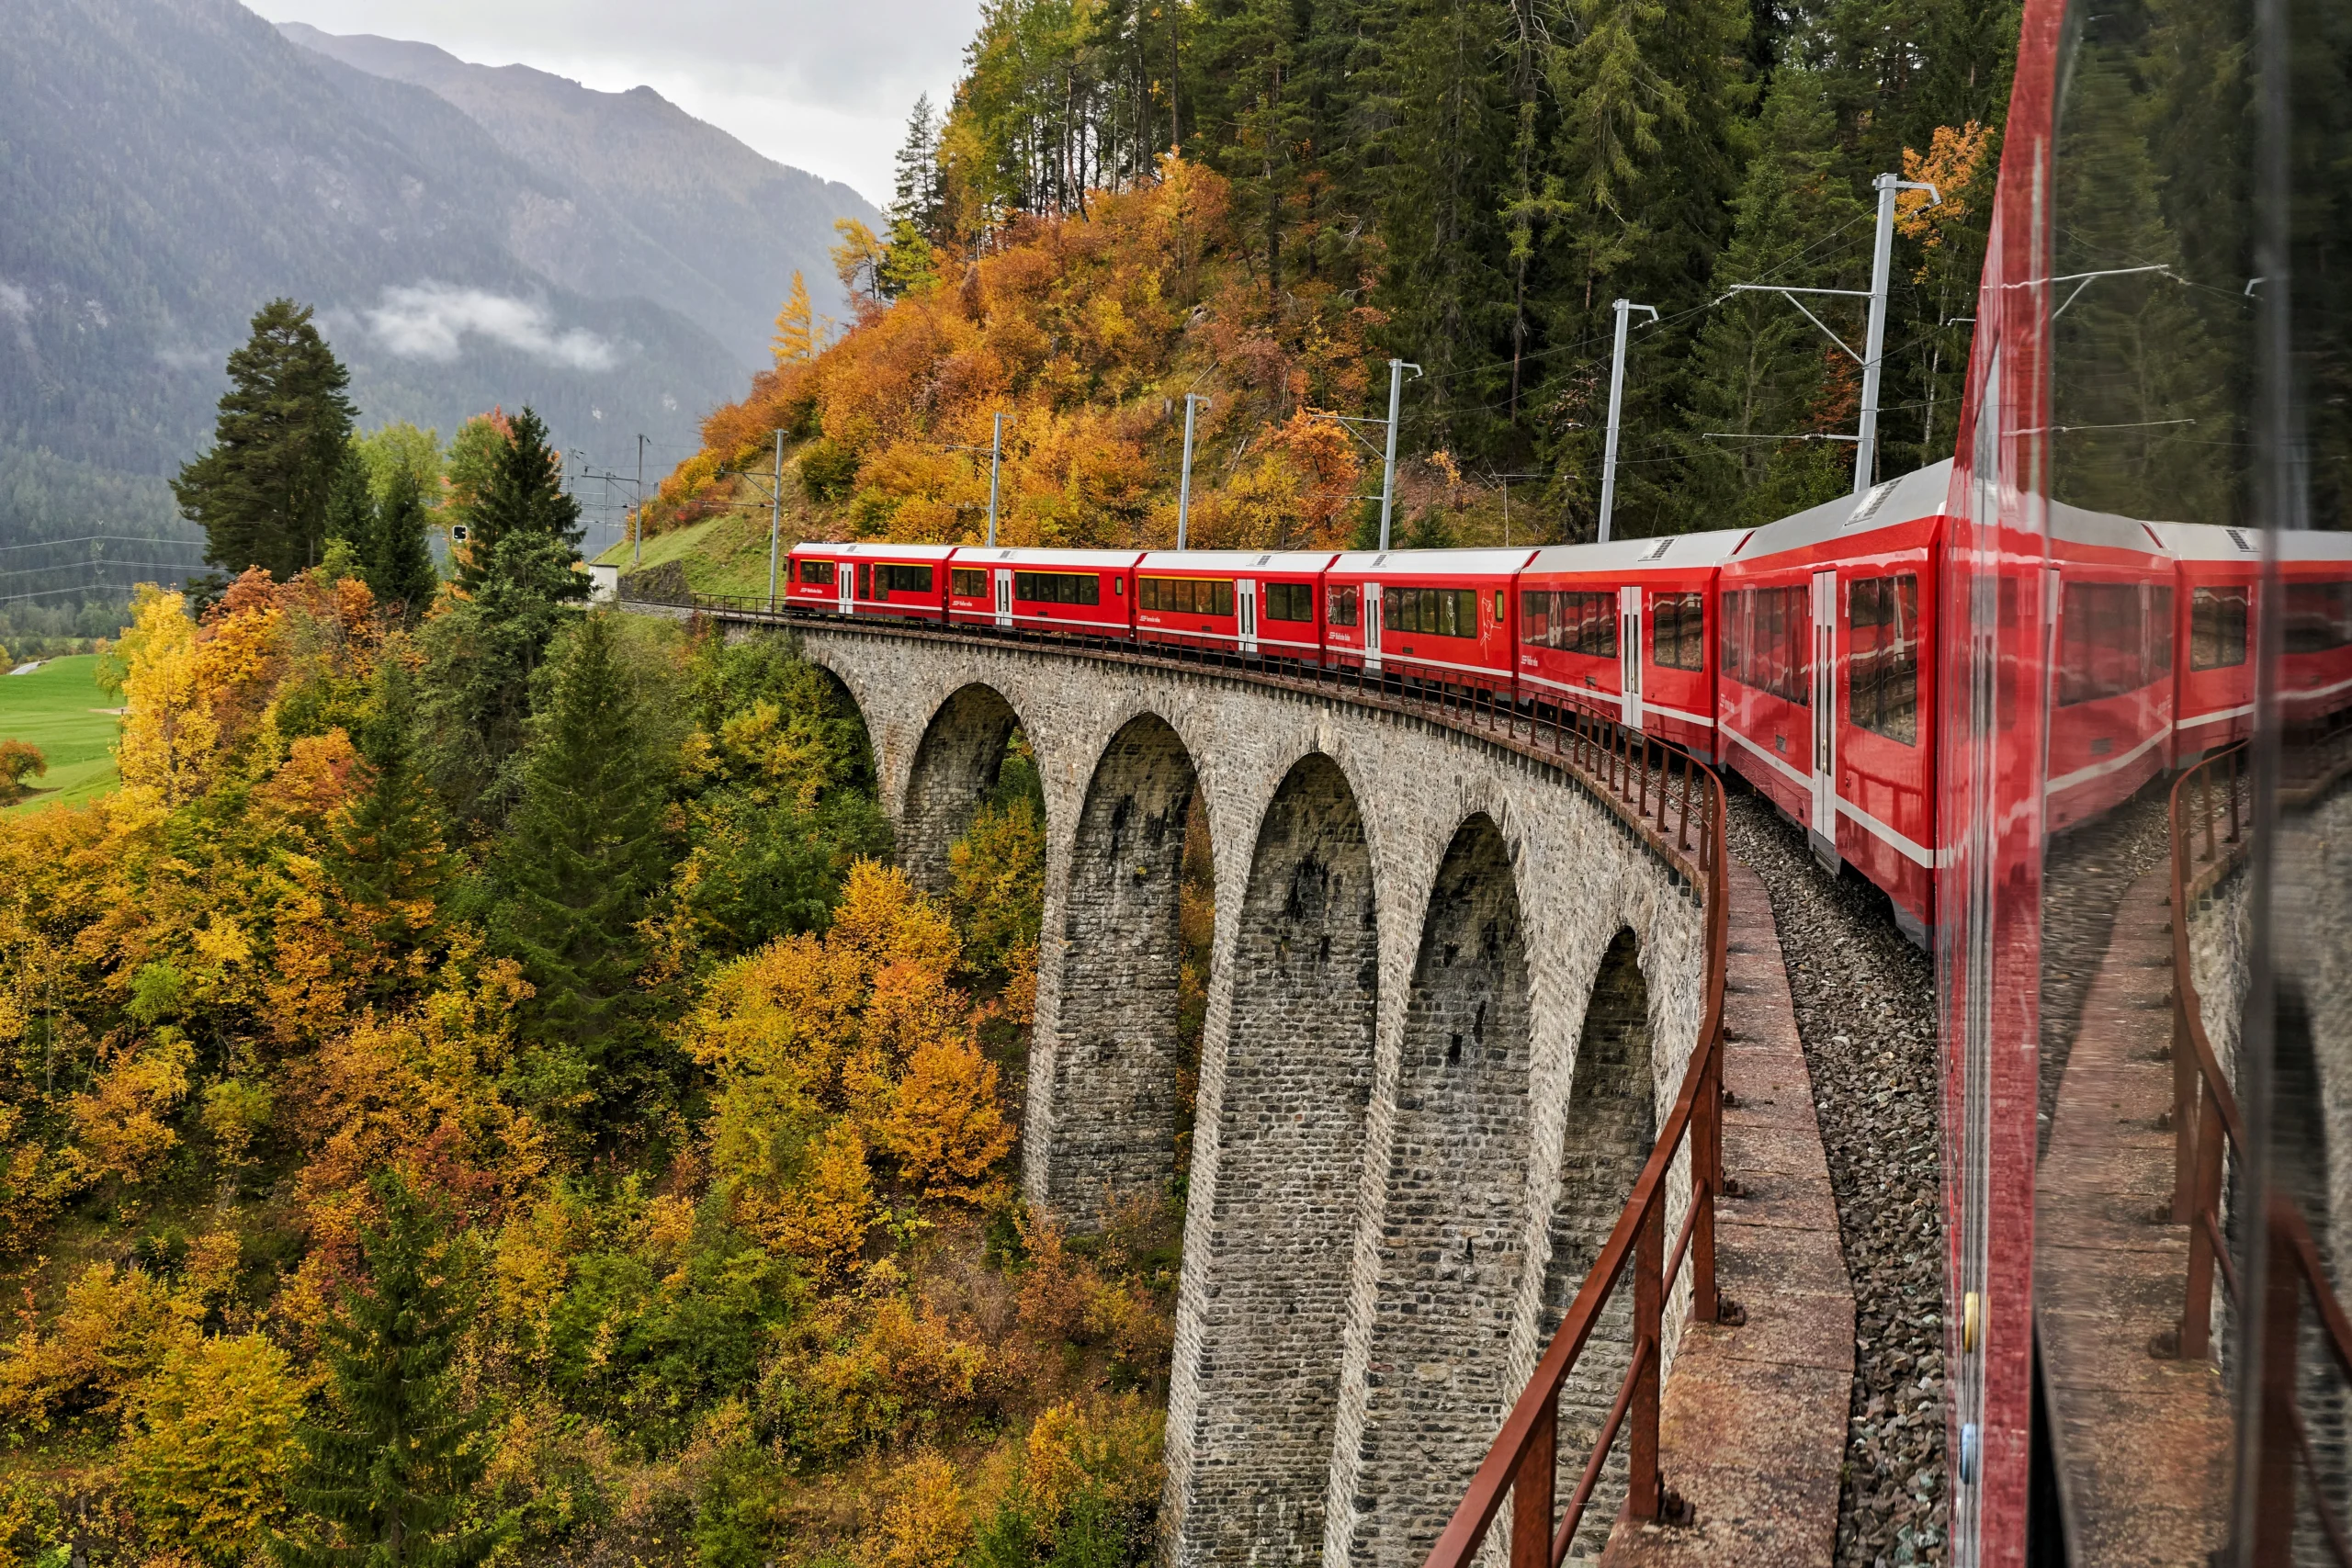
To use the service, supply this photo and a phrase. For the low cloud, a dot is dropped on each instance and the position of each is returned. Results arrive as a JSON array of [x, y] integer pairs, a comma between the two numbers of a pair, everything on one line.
[[431, 320]]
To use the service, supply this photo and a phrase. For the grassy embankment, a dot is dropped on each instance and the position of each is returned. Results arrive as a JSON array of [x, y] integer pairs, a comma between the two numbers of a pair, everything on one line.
[[727, 554], [60, 709]]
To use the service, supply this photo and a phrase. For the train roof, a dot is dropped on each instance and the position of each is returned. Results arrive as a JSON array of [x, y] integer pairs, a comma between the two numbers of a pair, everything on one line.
[[876, 549], [2315, 543], [1441, 563], [1904, 498], [2207, 541], [1099, 560], [2110, 530], [1666, 552], [1239, 560]]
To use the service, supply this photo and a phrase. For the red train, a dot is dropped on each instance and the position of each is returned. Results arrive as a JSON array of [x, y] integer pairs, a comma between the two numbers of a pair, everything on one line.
[[1802, 653]]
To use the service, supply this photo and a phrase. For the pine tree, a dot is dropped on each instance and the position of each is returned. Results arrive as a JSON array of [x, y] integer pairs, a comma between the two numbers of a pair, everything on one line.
[[351, 510], [915, 194], [584, 847], [796, 327], [400, 559], [389, 855], [518, 581], [391, 1481], [262, 493]]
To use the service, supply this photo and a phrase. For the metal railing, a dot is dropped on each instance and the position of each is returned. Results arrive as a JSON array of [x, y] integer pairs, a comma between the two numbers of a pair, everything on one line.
[[1666, 794], [2210, 820]]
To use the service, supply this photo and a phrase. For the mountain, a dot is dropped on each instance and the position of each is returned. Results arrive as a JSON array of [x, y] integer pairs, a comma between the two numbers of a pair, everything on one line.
[[632, 194], [167, 166]]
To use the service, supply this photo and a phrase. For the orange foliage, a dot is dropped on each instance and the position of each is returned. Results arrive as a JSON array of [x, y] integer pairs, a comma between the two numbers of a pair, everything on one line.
[[1087, 329]]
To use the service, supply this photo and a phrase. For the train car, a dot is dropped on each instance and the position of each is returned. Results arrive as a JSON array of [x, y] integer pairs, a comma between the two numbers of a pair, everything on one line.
[[1826, 678], [2315, 639], [1437, 615], [870, 578], [1627, 629], [1084, 593], [2217, 573], [1268, 603], [2110, 600]]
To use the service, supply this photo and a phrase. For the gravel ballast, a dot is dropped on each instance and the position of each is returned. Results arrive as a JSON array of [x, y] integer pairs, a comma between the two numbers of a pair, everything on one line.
[[1866, 1012]]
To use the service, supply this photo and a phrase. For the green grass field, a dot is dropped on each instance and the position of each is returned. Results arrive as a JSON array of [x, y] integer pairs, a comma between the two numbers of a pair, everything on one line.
[[727, 554], [56, 708]]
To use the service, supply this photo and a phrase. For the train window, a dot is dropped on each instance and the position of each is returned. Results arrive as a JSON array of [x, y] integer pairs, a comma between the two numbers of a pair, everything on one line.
[[817, 574], [865, 580], [2103, 644], [1057, 587], [2216, 628], [1290, 601], [2160, 632], [906, 579], [1433, 612], [1499, 606], [1882, 680], [2318, 617], [966, 583], [1184, 595], [1768, 636], [1340, 609], [1678, 636], [1573, 623]]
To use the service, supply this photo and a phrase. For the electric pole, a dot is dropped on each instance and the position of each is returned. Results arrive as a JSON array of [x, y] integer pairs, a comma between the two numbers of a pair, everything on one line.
[[639, 558], [1625, 309], [776, 518], [1397, 368], [1185, 483], [1874, 345], [996, 457]]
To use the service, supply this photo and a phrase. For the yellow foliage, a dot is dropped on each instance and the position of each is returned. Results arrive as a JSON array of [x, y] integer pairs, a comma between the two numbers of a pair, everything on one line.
[[212, 1443], [120, 1127], [945, 1127], [796, 327], [843, 1385], [168, 728], [115, 1328], [1112, 1444], [927, 1523], [1955, 157], [822, 1214]]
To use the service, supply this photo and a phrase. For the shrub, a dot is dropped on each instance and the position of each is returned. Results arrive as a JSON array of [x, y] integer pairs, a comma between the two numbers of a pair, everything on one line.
[[18, 761], [827, 469], [212, 1443]]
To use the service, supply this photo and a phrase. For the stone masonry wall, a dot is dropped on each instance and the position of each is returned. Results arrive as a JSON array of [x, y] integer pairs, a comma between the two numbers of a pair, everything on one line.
[[1451, 1251], [1332, 823], [1119, 1058]]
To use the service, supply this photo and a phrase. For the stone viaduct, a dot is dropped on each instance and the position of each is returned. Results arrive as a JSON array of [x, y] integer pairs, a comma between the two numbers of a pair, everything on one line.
[[1452, 993]]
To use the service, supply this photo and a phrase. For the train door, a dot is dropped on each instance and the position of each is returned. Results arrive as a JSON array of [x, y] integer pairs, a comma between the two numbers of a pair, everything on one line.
[[845, 587], [1629, 656], [1245, 606], [1824, 711], [1004, 597], [1372, 627]]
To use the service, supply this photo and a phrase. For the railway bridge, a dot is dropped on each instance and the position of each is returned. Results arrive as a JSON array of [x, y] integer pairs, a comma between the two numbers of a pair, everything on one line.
[[1460, 964]]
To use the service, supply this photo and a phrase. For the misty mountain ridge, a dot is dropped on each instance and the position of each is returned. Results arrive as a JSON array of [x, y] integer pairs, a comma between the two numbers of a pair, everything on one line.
[[170, 166]]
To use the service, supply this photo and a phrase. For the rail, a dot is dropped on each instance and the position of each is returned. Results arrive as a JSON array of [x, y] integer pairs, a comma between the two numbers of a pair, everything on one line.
[[1637, 776], [2209, 808]]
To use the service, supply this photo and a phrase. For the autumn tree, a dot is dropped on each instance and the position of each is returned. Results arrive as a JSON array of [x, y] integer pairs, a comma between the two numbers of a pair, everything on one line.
[[261, 493], [796, 327], [388, 1483], [388, 854]]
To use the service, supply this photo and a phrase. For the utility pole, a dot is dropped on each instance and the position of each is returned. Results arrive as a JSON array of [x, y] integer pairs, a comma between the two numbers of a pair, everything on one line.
[[1875, 342], [996, 457], [1397, 368], [1624, 307], [1185, 483], [775, 517], [639, 558]]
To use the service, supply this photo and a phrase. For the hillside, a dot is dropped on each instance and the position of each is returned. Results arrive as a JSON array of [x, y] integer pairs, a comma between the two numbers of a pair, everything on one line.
[[629, 194]]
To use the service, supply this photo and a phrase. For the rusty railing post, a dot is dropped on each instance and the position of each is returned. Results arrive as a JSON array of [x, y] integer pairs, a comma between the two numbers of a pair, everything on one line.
[[1532, 1487], [2282, 1311], [1642, 1488], [1706, 1181], [2197, 1310]]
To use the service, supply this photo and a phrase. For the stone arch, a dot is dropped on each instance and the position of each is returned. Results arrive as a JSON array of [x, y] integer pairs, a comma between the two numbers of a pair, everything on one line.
[[954, 768], [1453, 1241], [1611, 1125], [1275, 1250], [1112, 1078]]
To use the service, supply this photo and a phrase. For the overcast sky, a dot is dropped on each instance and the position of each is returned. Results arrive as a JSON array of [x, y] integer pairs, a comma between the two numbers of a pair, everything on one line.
[[822, 85]]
